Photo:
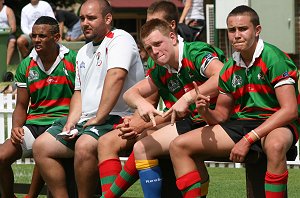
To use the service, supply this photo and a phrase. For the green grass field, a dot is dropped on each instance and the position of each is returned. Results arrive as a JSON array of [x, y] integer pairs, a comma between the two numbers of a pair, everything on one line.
[[224, 182]]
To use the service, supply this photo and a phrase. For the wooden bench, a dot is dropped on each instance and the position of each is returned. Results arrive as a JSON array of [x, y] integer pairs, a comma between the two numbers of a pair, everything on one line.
[[254, 171]]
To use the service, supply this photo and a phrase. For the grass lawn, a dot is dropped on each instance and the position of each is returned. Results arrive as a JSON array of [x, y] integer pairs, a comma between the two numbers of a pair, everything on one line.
[[224, 182]]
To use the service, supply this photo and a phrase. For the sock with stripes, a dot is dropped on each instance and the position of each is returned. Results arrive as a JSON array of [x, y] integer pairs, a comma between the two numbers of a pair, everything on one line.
[[150, 177], [204, 188], [190, 184], [124, 180], [276, 185], [108, 170]]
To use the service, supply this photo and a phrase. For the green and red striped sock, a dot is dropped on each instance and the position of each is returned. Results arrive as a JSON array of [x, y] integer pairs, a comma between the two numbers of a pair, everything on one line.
[[124, 180], [190, 184], [276, 185], [108, 170]]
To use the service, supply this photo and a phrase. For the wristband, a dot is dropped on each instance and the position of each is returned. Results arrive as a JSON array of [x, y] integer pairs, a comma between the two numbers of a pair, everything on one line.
[[257, 136], [249, 139]]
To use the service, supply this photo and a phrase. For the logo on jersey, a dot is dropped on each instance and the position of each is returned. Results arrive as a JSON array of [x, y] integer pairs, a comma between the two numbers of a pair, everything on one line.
[[285, 74], [33, 75], [173, 85], [51, 80], [236, 81], [98, 57], [82, 65], [207, 59], [260, 76]]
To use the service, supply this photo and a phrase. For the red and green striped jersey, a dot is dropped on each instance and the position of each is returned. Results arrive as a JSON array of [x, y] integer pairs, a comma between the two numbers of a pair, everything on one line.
[[173, 84], [253, 88], [50, 91]]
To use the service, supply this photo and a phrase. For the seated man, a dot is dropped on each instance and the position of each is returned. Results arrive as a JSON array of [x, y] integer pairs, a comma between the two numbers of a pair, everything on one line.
[[176, 65], [114, 183], [31, 12], [259, 85], [45, 82], [8, 21], [106, 68]]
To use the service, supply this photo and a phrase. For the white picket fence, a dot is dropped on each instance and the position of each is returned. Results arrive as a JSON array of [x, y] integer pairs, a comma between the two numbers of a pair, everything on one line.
[[7, 103]]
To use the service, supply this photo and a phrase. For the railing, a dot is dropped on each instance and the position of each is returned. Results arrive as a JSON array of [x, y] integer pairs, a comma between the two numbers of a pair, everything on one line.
[[7, 103]]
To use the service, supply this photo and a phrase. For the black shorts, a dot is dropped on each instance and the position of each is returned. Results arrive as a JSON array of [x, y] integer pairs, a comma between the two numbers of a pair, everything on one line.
[[186, 125], [37, 130], [236, 129]]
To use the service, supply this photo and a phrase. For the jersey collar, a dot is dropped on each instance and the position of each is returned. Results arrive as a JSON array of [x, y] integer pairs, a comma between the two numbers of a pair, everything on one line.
[[258, 50]]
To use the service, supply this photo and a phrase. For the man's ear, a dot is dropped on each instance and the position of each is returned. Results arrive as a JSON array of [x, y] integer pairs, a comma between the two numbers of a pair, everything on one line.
[[257, 30], [57, 37], [108, 19], [173, 36]]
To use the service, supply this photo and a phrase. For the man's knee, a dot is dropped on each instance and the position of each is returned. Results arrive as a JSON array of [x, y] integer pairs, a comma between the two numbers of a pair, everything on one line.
[[108, 140], [85, 148], [21, 41], [139, 148], [9, 153], [276, 150]]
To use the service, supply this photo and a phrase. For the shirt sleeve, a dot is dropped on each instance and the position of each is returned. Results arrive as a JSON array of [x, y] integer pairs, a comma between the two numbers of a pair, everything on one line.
[[121, 52], [20, 76]]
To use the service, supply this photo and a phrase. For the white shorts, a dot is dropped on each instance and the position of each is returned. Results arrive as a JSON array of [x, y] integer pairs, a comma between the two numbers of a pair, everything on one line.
[[27, 143]]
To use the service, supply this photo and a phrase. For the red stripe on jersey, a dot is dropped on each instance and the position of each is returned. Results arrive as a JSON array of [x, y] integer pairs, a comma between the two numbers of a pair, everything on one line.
[[228, 73], [291, 74], [260, 63], [31, 65], [44, 82], [32, 117], [165, 78], [169, 103], [69, 65], [252, 109], [187, 63], [255, 88], [50, 103]]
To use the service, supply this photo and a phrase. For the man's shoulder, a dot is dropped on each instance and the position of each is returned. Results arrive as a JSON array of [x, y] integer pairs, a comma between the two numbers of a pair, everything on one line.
[[119, 33]]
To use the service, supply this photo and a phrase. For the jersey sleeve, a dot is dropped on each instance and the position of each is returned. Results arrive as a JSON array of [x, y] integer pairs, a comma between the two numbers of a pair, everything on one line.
[[122, 52], [202, 56], [20, 76], [224, 83], [282, 70]]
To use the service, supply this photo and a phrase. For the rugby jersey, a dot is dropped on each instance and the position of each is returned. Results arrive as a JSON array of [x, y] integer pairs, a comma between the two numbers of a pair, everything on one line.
[[50, 91], [253, 87], [194, 58]]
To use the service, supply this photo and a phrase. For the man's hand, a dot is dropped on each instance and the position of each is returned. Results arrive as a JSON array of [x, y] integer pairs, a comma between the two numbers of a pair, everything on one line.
[[202, 102], [17, 135], [147, 112], [240, 150], [93, 121], [131, 127], [67, 128]]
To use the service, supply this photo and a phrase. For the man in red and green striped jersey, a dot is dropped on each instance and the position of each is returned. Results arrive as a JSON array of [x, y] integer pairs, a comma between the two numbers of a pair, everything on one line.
[[257, 109], [175, 65], [45, 83]]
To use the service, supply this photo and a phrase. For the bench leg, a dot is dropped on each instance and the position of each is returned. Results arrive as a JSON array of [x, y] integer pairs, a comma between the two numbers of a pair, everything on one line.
[[169, 188], [255, 178]]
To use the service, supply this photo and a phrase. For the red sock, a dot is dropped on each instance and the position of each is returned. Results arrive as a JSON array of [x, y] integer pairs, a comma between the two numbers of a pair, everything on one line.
[[276, 185], [190, 184], [125, 179], [108, 170]]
